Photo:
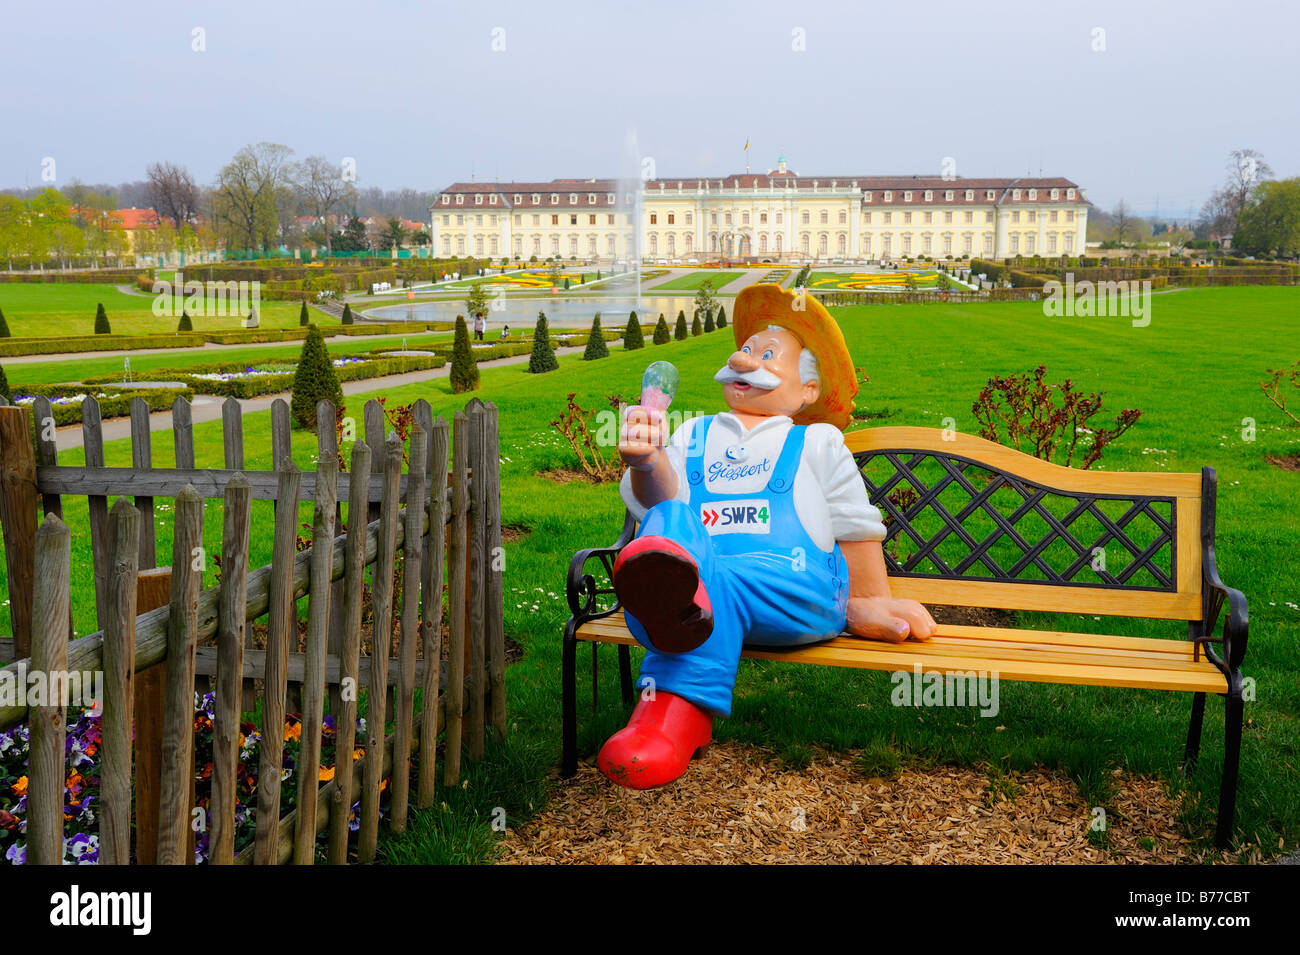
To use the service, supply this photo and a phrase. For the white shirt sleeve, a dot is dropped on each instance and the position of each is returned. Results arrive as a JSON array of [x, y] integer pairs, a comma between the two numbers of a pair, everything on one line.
[[677, 447], [853, 516]]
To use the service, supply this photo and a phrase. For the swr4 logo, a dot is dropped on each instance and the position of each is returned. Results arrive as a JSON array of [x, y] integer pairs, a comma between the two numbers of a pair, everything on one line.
[[737, 517]]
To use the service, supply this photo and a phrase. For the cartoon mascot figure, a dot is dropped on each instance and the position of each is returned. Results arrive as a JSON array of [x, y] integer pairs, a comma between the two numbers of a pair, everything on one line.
[[755, 530]]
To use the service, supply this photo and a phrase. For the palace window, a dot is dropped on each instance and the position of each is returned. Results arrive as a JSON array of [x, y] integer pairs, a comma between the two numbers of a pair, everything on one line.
[[929, 217], [537, 220], [762, 218], [609, 198], [1051, 217], [889, 217], [555, 220], [671, 218], [929, 195], [460, 220], [536, 199], [1069, 193], [1069, 215], [1033, 194], [947, 195], [518, 220], [1051, 243], [841, 244], [460, 245], [1069, 242], [519, 200], [988, 216], [803, 243], [889, 195], [821, 244], [1056, 194], [537, 245], [969, 217], [803, 218], [690, 218], [446, 245], [866, 196], [591, 220], [555, 245], [591, 200], [947, 218], [1015, 215], [446, 200], [966, 243], [492, 199], [573, 198], [762, 242], [907, 218], [989, 194], [555, 201], [446, 220], [907, 196], [844, 217], [591, 245], [866, 218], [611, 219], [460, 200], [744, 218], [823, 217], [610, 243], [1033, 215], [1015, 243], [1015, 195], [573, 245], [988, 244], [970, 195], [1029, 242], [907, 244], [926, 241], [728, 218], [779, 218], [654, 218], [947, 245], [478, 199], [493, 245], [478, 220]]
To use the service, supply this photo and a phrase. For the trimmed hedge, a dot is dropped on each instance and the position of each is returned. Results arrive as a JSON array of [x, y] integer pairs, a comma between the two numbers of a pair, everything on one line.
[[112, 404], [54, 346]]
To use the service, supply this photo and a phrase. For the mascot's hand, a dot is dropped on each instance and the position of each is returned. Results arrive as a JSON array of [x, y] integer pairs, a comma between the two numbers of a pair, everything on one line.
[[642, 437], [889, 618]]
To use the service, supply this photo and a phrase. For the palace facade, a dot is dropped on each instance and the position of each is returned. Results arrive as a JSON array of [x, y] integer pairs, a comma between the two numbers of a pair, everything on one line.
[[779, 216]]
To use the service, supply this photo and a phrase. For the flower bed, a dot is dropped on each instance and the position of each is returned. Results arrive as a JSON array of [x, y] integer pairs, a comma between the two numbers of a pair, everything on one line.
[[65, 400], [82, 785]]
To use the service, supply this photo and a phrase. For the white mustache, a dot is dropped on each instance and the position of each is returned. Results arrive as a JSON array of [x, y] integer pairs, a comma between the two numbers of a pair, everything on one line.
[[758, 378]]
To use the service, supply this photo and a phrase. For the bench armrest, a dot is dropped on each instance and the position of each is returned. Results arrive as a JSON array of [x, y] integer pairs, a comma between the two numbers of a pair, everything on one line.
[[582, 589], [1236, 622]]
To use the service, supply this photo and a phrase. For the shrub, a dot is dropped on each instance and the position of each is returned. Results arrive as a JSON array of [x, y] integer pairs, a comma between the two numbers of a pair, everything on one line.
[[303, 319], [185, 325], [542, 358], [4, 326], [347, 314], [679, 330], [697, 327], [722, 316], [464, 370], [662, 335], [581, 429], [596, 347], [709, 326], [4, 385], [314, 380], [1030, 414], [101, 321], [634, 337], [1272, 388]]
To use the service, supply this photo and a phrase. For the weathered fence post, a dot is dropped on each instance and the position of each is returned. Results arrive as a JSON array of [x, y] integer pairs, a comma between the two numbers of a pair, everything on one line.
[[92, 439], [381, 642], [318, 625], [345, 719], [431, 619], [456, 558], [404, 717], [153, 590], [494, 574], [232, 442], [282, 626], [18, 521], [116, 721], [47, 455], [175, 801], [47, 759], [231, 624]]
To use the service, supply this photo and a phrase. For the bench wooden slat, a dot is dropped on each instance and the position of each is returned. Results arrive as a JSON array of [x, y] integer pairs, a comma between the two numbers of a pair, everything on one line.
[[1050, 598], [1028, 659]]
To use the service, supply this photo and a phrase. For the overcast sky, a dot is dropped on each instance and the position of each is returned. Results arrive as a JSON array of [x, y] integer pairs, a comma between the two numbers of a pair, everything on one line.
[[422, 94]]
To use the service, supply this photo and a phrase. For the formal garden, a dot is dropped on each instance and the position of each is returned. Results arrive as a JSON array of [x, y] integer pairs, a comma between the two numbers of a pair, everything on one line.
[[1209, 377]]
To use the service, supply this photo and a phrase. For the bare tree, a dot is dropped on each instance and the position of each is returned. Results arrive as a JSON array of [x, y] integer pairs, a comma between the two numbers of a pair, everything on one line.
[[322, 190], [172, 192], [1221, 214], [1123, 220], [248, 194]]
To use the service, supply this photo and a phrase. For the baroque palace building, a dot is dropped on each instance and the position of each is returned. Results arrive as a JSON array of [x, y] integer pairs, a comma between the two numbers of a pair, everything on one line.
[[779, 216]]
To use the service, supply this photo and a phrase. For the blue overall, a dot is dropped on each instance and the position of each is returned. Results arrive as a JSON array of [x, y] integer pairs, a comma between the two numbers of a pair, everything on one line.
[[769, 583]]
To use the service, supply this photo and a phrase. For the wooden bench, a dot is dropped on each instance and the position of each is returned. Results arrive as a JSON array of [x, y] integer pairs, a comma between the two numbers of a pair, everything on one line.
[[972, 523]]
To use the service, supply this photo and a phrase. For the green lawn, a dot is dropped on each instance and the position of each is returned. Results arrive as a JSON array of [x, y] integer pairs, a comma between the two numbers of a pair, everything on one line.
[[65, 310], [1194, 371], [691, 282]]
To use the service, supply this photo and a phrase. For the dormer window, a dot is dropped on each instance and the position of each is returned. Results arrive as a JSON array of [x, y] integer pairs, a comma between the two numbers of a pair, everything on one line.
[[555, 199], [907, 196], [537, 199], [1015, 195], [609, 198], [478, 199], [1033, 195], [929, 195], [460, 200], [446, 200], [591, 198], [866, 196], [492, 199], [970, 195], [947, 195], [889, 195], [573, 198], [519, 200], [1069, 193], [1056, 194], [990, 195]]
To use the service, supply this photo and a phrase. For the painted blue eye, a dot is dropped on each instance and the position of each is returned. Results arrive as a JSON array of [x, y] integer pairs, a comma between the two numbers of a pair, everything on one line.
[[767, 354], [745, 349]]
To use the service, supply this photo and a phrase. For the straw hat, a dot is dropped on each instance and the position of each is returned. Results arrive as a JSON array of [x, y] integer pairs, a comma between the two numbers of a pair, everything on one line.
[[759, 306]]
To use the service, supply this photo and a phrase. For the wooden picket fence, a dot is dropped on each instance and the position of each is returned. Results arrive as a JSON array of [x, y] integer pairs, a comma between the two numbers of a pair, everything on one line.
[[161, 635]]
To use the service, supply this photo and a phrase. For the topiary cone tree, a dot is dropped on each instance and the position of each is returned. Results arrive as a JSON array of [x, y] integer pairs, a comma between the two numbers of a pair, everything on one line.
[[662, 335], [464, 370], [679, 332], [596, 347], [634, 337], [101, 321], [185, 325], [722, 316], [303, 319], [347, 314], [314, 381], [708, 321], [4, 386], [4, 326], [697, 327], [543, 358]]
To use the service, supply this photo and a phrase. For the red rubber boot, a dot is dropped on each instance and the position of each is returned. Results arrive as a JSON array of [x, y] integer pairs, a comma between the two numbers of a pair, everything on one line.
[[658, 743], [658, 582]]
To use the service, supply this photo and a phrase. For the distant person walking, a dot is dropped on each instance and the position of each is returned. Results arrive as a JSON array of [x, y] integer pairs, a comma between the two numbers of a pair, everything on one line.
[[480, 326]]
